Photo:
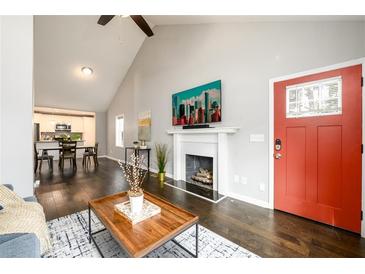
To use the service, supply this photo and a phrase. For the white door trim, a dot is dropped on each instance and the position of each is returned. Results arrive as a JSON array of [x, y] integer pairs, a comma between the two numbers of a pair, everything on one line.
[[271, 124]]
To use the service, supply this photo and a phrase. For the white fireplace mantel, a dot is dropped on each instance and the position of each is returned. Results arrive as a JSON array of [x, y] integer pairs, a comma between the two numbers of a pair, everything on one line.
[[209, 142], [209, 130]]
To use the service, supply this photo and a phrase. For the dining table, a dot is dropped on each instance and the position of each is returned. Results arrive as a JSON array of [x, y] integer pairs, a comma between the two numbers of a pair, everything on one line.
[[60, 148]]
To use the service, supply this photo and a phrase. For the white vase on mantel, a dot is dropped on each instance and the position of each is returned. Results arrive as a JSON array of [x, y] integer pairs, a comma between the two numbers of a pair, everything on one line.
[[136, 203]]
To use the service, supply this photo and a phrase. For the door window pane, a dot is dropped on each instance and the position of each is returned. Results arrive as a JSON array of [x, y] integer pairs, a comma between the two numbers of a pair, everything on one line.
[[317, 98]]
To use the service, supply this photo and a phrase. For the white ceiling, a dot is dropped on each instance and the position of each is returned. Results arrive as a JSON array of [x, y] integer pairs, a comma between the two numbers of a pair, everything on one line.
[[64, 44], [208, 19]]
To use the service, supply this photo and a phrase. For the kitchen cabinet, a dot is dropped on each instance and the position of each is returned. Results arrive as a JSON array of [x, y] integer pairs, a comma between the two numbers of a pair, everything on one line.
[[89, 131], [51, 121], [83, 123], [47, 123], [39, 118], [77, 124], [63, 119], [36, 118]]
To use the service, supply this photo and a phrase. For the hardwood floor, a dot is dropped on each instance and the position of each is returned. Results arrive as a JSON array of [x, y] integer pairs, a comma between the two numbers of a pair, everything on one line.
[[268, 233]]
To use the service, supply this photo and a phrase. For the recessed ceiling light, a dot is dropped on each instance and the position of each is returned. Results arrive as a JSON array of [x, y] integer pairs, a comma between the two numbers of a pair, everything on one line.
[[87, 70], [124, 16]]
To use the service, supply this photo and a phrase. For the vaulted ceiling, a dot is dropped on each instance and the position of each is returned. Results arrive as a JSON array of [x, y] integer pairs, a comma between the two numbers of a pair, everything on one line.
[[65, 44]]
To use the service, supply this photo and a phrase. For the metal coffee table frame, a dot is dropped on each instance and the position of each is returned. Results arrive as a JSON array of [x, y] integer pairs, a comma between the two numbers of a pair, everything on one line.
[[91, 238]]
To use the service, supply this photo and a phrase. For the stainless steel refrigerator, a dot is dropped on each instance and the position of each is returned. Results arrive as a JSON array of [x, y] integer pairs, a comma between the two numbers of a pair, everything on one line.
[[36, 132]]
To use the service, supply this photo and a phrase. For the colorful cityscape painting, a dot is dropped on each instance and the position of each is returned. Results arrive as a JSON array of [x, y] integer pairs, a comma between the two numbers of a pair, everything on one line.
[[198, 105]]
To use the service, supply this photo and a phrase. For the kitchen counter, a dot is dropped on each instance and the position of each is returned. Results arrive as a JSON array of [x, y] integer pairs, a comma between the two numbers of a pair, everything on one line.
[[54, 141]]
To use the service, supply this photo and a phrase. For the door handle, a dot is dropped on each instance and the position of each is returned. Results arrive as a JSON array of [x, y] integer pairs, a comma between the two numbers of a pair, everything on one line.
[[277, 156]]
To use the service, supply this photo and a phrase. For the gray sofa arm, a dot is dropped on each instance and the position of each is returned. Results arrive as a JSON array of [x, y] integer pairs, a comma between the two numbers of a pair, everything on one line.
[[11, 187], [31, 199], [19, 245], [27, 199]]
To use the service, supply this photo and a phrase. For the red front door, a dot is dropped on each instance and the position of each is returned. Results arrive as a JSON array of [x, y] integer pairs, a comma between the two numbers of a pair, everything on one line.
[[318, 133]]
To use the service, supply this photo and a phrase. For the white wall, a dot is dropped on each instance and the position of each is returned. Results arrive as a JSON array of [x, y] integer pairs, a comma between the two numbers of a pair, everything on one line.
[[244, 56], [1, 27], [16, 103], [101, 132]]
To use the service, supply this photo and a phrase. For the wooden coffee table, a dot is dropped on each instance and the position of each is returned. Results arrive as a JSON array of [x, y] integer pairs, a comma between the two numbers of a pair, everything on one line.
[[140, 239]]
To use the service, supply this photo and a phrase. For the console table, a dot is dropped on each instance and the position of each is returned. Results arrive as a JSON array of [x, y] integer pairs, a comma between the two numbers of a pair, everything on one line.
[[136, 152]]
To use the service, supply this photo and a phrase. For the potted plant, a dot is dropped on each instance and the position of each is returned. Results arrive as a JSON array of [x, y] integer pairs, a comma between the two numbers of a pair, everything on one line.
[[161, 159], [134, 175]]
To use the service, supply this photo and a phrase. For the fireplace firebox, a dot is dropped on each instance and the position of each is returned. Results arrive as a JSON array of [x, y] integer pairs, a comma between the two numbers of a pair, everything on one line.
[[199, 170]]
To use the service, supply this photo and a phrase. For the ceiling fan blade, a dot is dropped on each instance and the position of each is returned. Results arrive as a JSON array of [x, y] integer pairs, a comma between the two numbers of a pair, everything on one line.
[[142, 24], [104, 19]]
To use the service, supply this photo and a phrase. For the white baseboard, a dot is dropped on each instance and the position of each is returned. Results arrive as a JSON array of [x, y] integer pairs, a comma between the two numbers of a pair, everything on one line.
[[249, 200], [111, 158], [169, 175]]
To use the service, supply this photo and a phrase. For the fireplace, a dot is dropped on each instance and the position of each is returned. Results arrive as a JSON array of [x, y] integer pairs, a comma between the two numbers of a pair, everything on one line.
[[199, 170], [205, 148]]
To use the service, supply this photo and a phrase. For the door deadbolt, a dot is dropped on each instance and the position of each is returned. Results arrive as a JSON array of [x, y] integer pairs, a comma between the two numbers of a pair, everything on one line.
[[277, 144]]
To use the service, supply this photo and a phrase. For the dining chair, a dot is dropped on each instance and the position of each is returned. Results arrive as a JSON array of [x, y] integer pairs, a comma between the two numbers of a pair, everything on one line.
[[59, 153], [90, 152], [60, 144], [68, 151], [40, 158]]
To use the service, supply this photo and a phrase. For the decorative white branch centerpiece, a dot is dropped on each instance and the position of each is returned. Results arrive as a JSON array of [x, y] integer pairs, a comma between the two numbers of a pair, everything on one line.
[[134, 175]]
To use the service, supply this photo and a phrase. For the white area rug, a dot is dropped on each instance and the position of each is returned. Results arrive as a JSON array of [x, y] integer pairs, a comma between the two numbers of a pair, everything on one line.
[[69, 237]]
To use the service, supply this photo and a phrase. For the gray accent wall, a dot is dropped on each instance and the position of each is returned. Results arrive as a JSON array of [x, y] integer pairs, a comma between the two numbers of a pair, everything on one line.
[[101, 132], [244, 56]]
